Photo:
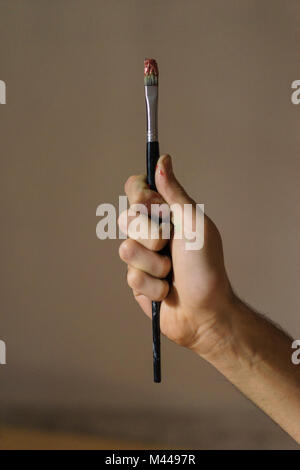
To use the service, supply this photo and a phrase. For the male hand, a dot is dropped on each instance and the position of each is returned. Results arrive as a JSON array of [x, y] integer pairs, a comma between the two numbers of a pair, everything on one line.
[[194, 304]]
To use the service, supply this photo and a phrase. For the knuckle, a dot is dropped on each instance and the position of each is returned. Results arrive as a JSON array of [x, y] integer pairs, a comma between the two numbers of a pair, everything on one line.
[[163, 290], [130, 278], [129, 182], [165, 266], [127, 250], [135, 278]]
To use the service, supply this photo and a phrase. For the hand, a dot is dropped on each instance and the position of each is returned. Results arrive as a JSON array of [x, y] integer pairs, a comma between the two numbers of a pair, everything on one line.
[[199, 309], [194, 305]]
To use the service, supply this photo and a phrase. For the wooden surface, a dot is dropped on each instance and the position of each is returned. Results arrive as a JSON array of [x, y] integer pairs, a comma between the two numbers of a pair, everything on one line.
[[34, 427], [29, 439]]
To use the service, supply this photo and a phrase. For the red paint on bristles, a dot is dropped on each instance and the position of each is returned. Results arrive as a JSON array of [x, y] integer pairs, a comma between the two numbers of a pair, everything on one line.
[[150, 67]]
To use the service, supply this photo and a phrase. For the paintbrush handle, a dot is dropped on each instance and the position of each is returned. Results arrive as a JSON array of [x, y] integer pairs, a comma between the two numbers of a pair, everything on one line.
[[152, 158]]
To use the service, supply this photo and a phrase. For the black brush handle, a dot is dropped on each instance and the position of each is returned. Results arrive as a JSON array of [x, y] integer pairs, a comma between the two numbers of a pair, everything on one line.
[[152, 157]]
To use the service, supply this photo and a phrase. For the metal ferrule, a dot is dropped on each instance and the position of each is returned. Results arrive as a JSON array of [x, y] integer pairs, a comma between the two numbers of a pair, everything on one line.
[[151, 96]]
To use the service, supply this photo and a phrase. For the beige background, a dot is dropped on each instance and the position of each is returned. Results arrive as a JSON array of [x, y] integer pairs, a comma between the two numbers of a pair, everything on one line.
[[71, 133]]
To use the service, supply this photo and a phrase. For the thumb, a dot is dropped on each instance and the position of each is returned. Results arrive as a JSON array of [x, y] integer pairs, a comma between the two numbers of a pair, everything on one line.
[[167, 185]]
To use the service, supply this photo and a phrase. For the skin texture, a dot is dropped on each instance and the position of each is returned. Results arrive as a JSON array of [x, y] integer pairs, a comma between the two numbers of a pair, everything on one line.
[[200, 285], [199, 309]]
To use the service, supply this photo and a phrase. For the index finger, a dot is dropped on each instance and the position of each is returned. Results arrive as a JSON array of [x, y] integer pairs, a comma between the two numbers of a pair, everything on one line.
[[138, 192]]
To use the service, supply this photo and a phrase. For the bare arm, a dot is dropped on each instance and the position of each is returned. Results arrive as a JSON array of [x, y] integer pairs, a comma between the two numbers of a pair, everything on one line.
[[200, 311], [256, 358]]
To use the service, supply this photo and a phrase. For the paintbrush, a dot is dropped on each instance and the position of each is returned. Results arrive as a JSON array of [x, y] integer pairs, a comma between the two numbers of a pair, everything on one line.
[[152, 154]]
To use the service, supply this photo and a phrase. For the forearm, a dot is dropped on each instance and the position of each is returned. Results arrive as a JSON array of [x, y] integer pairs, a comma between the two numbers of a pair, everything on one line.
[[256, 358], [249, 350]]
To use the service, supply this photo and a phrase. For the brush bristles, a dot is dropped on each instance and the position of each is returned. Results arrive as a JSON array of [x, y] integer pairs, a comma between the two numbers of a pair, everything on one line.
[[150, 80], [150, 72]]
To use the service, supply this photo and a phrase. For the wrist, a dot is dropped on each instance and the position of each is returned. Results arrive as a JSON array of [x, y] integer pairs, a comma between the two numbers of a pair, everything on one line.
[[229, 341]]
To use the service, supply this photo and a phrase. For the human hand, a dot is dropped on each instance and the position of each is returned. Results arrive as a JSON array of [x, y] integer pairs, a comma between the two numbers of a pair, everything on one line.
[[194, 304]]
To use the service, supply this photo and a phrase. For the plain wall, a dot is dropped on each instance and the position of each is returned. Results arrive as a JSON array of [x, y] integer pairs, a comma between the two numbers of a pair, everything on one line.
[[73, 130]]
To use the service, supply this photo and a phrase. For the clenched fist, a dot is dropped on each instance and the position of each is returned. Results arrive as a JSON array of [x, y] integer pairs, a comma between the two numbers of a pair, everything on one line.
[[194, 302]]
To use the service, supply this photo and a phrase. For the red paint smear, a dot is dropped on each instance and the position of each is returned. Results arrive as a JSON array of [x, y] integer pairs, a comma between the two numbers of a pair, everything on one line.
[[150, 67], [160, 171]]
